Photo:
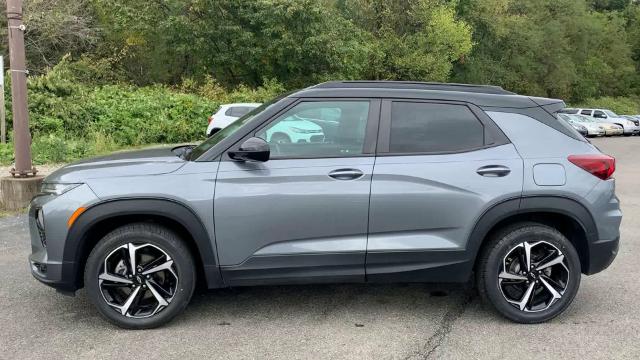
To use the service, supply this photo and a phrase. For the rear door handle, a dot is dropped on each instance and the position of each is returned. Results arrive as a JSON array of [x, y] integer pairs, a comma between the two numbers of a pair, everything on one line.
[[346, 174], [494, 171]]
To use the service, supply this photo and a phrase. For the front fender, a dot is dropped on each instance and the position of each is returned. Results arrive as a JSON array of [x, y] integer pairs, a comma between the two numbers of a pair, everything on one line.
[[78, 243]]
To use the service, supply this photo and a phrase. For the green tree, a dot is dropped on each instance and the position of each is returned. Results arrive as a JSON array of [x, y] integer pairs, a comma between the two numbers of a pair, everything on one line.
[[554, 48], [413, 40], [53, 29]]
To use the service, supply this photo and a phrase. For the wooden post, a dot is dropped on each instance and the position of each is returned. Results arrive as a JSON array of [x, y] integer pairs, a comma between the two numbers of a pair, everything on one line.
[[21, 135]]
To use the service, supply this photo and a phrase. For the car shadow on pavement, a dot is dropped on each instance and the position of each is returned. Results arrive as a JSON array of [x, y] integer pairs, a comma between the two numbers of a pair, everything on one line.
[[358, 302]]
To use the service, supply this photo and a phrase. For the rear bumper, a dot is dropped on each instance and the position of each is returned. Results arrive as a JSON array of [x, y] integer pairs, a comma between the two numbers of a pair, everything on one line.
[[602, 253]]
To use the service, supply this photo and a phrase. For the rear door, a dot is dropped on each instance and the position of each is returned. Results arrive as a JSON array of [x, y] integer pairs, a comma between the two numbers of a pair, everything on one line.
[[439, 166], [301, 216]]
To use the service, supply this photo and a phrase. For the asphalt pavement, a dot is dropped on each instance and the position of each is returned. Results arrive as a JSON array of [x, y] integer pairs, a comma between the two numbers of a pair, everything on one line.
[[397, 321]]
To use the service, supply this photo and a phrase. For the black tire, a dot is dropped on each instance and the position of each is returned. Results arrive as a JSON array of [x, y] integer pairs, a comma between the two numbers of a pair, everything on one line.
[[161, 239], [500, 245]]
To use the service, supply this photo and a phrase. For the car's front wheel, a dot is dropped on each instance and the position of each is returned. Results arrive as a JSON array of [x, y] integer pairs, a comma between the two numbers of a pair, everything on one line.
[[529, 272], [140, 276]]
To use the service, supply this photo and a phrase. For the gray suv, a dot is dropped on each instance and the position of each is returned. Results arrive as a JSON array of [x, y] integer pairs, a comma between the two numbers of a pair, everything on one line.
[[404, 182]]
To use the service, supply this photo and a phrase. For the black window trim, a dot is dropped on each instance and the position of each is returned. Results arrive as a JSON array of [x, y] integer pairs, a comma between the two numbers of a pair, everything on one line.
[[371, 130], [492, 134]]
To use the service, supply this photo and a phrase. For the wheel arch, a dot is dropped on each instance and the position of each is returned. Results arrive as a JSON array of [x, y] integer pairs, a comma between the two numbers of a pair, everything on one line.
[[567, 215], [101, 218]]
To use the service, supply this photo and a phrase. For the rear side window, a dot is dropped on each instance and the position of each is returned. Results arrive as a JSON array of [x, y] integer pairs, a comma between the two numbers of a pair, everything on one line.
[[568, 111], [586, 112], [428, 127], [238, 111]]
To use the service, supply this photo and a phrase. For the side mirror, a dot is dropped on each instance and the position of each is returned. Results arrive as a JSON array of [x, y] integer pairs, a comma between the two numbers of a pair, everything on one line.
[[253, 149]]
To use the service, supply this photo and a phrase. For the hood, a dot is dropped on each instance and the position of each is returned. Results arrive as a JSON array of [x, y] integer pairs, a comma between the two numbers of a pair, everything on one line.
[[129, 163]]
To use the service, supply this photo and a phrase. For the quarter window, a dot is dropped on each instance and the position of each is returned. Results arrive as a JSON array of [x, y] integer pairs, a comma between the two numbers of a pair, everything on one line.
[[428, 127], [318, 129]]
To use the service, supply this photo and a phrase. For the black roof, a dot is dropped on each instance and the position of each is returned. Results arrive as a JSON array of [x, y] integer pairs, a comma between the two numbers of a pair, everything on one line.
[[480, 95], [414, 85]]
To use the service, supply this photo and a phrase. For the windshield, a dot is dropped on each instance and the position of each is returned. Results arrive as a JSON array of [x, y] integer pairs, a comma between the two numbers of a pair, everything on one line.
[[230, 129], [582, 118], [611, 113], [565, 117]]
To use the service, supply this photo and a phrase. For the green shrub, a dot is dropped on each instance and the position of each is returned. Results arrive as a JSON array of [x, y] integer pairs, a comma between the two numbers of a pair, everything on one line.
[[6, 154], [72, 117]]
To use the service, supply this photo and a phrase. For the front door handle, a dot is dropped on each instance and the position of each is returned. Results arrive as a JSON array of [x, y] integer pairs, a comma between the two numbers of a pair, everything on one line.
[[494, 171], [346, 174]]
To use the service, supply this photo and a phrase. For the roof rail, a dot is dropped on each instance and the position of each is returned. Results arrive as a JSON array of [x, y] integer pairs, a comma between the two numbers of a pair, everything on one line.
[[414, 85]]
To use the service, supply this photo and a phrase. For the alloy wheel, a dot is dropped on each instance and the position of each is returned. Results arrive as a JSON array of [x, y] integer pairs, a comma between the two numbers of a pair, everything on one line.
[[138, 280], [533, 276]]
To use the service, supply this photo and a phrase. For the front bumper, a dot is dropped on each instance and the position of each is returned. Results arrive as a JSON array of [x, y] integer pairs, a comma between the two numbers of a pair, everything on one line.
[[602, 253], [632, 130], [50, 274], [614, 132], [596, 132], [48, 261]]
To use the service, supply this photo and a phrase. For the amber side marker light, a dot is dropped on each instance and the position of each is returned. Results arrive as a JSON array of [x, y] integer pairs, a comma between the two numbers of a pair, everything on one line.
[[74, 216]]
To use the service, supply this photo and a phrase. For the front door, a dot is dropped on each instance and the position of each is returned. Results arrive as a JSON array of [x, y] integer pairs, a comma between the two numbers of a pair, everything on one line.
[[301, 216]]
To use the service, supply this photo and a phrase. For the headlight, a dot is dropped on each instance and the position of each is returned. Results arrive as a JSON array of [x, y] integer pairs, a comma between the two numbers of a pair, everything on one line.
[[57, 188]]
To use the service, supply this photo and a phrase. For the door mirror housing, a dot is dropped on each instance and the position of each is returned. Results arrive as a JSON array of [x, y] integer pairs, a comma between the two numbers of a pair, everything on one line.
[[253, 149]]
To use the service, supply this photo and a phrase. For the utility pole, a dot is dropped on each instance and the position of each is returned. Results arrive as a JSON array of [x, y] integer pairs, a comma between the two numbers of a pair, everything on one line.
[[3, 120], [18, 189], [21, 136]]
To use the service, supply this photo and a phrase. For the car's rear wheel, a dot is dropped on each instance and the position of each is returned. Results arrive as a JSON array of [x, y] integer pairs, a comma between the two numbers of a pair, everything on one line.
[[140, 276], [529, 272]]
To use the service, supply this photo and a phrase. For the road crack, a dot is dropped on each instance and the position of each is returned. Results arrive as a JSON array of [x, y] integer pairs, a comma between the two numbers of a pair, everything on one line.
[[445, 327]]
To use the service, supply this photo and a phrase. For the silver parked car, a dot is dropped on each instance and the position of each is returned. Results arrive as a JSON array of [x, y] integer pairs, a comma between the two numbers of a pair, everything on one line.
[[604, 115], [407, 182], [593, 127]]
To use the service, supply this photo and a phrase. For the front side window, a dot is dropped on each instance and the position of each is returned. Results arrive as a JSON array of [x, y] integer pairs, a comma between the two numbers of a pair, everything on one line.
[[317, 129], [429, 127]]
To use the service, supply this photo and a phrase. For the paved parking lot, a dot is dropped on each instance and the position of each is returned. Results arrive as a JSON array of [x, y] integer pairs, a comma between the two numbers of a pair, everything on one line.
[[336, 321]]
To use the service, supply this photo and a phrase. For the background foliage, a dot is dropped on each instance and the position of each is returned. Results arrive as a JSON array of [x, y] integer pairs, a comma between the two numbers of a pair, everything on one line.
[[108, 74]]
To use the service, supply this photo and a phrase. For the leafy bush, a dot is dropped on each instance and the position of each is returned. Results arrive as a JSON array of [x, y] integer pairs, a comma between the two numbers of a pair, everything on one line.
[[71, 119], [619, 105], [6, 153]]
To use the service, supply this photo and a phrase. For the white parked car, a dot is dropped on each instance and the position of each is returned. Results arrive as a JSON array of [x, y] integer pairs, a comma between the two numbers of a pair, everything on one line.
[[293, 129], [228, 113], [608, 116], [593, 127]]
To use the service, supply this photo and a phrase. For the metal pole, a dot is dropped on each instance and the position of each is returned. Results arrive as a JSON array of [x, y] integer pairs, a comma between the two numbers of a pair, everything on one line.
[[21, 136], [3, 120]]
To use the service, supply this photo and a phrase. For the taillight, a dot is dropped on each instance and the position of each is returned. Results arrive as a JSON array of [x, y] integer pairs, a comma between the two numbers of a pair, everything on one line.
[[210, 119], [599, 165]]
